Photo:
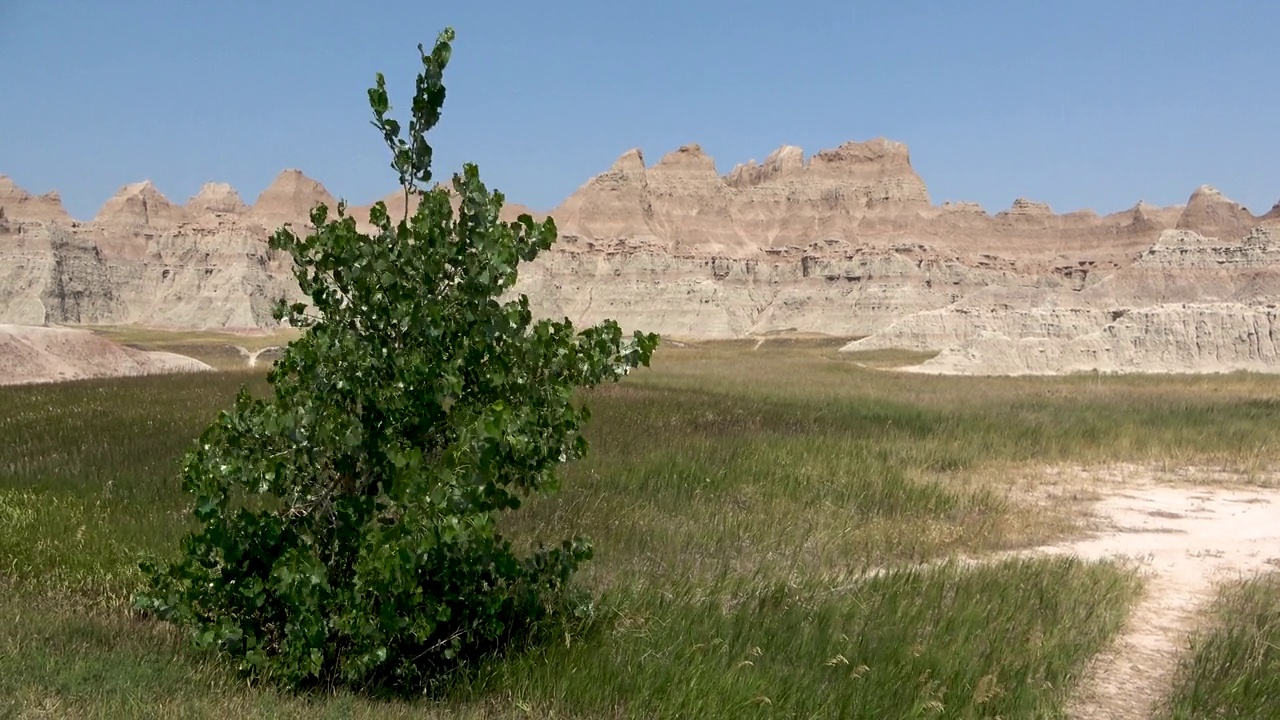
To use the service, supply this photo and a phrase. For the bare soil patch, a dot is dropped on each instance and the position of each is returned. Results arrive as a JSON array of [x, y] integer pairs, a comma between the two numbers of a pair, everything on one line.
[[1188, 530], [35, 354]]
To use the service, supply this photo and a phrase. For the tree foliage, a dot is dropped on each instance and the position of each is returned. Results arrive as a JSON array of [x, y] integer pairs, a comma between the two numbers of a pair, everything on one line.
[[347, 525]]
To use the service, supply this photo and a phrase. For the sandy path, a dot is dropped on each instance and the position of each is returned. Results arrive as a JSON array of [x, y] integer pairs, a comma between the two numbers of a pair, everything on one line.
[[1187, 539]]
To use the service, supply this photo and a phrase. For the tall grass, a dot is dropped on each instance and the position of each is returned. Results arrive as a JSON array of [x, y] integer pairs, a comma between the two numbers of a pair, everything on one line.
[[737, 497], [1001, 640], [88, 479], [1233, 669]]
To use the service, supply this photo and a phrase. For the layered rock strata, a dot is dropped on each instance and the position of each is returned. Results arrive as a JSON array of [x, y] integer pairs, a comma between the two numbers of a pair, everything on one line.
[[1188, 303], [845, 242], [1172, 338]]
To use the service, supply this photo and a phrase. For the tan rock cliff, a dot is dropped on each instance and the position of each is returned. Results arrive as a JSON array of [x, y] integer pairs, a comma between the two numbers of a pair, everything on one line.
[[289, 199], [846, 242], [138, 205], [216, 198], [17, 204]]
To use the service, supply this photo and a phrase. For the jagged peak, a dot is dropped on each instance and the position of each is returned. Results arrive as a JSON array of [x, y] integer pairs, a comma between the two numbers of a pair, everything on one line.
[[686, 158], [398, 195], [1142, 211], [398, 206], [216, 197], [9, 188], [1210, 195], [12, 191], [140, 203], [741, 172], [146, 186], [629, 161], [878, 151], [1024, 206], [784, 154], [19, 204], [289, 199], [1145, 216], [1210, 212], [144, 189], [963, 207], [1145, 209], [786, 160], [292, 180], [1207, 192]]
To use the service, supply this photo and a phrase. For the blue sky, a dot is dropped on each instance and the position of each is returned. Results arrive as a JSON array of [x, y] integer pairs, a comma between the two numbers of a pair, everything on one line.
[[1079, 104]]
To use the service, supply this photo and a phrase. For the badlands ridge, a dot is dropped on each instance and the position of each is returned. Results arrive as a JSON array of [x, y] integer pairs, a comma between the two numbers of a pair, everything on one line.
[[846, 242]]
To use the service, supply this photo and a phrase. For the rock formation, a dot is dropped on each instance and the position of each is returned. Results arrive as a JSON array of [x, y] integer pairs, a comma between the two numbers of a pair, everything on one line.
[[1274, 214], [681, 205], [613, 205], [20, 205], [786, 161], [1209, 212], [1181, 338], [845, 242], [216, 198], [40, 354], [1189, 303], [289, 199], [140, 205], [142, 260]]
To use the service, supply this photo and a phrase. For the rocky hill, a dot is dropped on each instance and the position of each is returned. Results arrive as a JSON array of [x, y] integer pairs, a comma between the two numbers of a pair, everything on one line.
[[845, 242]]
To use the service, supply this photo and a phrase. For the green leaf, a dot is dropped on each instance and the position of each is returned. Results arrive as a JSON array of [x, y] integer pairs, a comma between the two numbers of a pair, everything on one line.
[[417, 406]]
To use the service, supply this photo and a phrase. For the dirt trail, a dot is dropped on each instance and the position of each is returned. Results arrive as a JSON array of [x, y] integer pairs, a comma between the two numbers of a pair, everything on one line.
[[1187, 539]]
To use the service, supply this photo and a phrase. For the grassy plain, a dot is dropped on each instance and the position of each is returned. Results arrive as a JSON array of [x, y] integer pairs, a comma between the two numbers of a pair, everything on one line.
[[220, 349], [760, 513]]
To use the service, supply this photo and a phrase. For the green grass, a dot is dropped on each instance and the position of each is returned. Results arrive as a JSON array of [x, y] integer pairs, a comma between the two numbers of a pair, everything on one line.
[[1233, 669], [762, 506], [252, 340], [88, 479], [889, 358], [1005, 639]]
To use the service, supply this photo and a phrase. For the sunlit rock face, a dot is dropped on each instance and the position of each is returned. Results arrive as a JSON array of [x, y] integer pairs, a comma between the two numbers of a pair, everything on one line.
[[846, 241]]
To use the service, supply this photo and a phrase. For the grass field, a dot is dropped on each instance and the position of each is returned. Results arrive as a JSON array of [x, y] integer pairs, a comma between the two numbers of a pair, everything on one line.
[[1233, 670], [760, 516], [221, 350]]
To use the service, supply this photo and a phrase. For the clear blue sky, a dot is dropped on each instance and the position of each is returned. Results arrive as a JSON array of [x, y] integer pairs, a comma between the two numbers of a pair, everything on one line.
[[1087, 103]]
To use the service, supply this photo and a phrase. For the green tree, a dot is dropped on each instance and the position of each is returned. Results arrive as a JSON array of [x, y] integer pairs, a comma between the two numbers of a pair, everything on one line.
[[347, 525]]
